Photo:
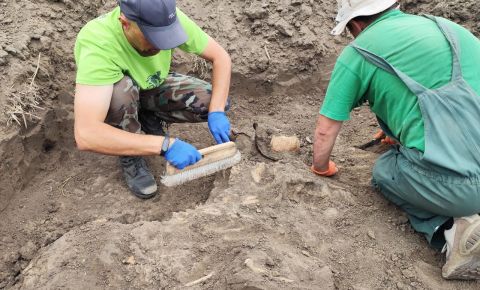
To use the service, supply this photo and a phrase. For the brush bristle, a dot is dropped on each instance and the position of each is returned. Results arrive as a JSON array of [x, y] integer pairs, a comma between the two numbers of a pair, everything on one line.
[[189, 175]]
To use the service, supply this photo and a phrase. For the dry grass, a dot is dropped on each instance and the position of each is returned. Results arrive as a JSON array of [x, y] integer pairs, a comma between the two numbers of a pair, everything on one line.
[[21, 105]]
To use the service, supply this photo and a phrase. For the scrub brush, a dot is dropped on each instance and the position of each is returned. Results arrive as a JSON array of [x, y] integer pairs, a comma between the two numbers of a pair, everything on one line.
[[215, 158]]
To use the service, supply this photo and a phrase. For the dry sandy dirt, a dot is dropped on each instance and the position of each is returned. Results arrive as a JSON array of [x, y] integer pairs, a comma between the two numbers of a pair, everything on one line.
[[69, 222]]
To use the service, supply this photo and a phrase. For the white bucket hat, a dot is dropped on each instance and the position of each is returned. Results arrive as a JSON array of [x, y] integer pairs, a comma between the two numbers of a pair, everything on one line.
[[349, 9]]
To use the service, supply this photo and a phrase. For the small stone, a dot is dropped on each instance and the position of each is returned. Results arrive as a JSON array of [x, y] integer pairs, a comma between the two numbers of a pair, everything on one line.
[[284, 28], [251, 265], [306, 10], [285, 143], [11, 50], [3, 54], [371, 234], [11, 257], [258, 171], [27, 252], [331, 213], [45, 41], [408, 273], [309, 140], [269, 262], [255, 12], [130, 260], [53, 207], [50, 238], [402, 220]]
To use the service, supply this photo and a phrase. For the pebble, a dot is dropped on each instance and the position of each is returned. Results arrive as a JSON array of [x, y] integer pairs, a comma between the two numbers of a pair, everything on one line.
[[284, 28], [402, 220], [285, 143], [371, 234], [27, 252], [305, 253], [408, 273], [11, 50], [256, 12], [331, 212], [130, 260]]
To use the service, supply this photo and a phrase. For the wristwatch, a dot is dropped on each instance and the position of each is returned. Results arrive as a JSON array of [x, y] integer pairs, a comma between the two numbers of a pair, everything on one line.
[[165, 144]]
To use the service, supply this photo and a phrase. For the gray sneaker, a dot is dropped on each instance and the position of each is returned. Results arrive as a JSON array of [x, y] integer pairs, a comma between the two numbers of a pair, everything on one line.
[[138, 177], [463, 249]]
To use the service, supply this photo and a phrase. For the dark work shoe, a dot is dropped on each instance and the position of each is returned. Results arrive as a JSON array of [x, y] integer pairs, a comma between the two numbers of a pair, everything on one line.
[[139, 179]]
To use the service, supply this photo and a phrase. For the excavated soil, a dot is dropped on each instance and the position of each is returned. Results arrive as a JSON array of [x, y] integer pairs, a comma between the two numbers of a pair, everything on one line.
[[69, 222]]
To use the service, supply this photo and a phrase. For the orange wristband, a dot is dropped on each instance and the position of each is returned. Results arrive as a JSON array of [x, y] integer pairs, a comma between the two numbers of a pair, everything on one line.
[[332, 170]]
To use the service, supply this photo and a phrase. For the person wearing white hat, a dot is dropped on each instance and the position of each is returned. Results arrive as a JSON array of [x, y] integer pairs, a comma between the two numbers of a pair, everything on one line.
[[421, 78]]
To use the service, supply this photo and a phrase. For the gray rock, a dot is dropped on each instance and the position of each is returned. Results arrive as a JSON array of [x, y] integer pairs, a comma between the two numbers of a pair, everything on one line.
[[306, 10], [27, 252], [284, 28], [11, 50], [3, 57], [255, 12]]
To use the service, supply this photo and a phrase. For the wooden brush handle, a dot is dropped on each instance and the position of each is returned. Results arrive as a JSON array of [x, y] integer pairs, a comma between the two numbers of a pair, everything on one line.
[[209, 154], [215, 148]]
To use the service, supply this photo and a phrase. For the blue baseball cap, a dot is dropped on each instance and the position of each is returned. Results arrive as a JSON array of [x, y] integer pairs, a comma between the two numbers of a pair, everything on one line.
[[157, 19]]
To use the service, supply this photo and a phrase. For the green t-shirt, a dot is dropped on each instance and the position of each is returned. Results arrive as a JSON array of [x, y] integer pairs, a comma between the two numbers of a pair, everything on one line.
[[415, 46], [103, 55]]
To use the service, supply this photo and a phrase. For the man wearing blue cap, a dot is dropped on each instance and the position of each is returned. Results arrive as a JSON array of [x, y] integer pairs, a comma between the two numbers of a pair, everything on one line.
[[124, 86]]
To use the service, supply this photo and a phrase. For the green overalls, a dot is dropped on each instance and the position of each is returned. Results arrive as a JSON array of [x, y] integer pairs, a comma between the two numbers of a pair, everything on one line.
[[444, 181]]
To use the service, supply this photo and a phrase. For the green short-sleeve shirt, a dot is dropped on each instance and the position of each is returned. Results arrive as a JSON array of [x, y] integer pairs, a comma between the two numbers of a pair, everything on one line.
[[103, 55], [414, 45]]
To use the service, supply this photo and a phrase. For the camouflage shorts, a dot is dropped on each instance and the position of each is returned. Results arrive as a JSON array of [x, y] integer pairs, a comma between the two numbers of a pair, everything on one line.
[[179, 99]]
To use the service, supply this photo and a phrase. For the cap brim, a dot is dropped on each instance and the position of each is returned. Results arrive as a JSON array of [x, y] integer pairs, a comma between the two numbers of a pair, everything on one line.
[[340, 27], [371, 9], [167, 37]]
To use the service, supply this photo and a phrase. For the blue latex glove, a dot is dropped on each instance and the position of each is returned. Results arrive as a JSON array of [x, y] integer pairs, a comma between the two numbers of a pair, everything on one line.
[[219, 126], [182, 154]]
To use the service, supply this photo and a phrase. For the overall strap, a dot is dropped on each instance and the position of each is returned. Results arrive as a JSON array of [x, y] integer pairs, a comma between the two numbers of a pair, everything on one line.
[[382, 63], [452, 39]]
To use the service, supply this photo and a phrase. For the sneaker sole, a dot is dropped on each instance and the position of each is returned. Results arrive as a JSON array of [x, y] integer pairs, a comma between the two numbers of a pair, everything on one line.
[[470, 254], [468, 271]]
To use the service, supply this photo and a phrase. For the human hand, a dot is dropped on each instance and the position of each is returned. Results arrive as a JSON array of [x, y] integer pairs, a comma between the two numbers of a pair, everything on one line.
[[331, 171], [384, 138], [219, 126], [181, 154]]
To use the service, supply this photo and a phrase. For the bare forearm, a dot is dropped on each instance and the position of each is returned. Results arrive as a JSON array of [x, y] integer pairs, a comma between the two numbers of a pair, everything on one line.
[[325, 135], [103, 138], [221, 75], [321, 150]]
